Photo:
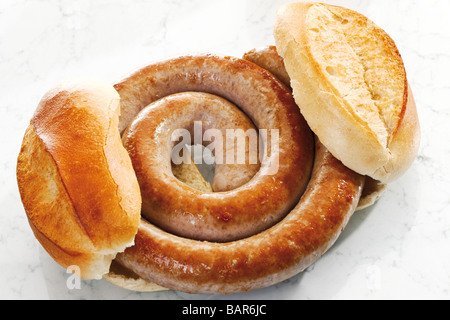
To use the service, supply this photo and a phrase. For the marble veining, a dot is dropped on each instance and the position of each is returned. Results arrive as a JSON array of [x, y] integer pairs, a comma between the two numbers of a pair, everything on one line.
[[399, 248]]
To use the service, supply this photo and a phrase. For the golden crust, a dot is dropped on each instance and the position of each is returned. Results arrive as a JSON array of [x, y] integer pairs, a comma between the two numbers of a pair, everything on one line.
[[350, 83], [76, 180]]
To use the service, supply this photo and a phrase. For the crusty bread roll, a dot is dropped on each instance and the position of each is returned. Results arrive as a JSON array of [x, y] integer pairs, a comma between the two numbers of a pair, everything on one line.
[[372, 192], [76, 180], [126, 279], [350, 83]]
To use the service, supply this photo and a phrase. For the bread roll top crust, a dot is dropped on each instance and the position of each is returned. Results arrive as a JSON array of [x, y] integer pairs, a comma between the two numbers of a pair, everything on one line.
[[76, 180], [350, 83]]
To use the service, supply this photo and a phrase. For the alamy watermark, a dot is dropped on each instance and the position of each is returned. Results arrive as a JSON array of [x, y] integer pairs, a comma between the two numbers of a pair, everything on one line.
[[73, 282], [230, 146]]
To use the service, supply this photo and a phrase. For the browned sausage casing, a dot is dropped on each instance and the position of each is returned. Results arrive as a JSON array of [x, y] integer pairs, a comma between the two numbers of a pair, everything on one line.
[[234, 214], [272, 255], [269, 257]]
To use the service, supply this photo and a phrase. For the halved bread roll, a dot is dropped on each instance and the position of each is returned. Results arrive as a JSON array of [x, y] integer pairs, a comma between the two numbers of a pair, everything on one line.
[[350, 83], [76, 180]]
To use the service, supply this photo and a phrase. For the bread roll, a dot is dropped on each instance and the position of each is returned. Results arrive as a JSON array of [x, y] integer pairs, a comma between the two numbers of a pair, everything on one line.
[[350, 83], [76, 180], [190, 174], [126, 279]]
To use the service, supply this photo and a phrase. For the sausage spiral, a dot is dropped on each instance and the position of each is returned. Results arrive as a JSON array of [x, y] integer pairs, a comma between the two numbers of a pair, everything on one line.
[[249, 260]]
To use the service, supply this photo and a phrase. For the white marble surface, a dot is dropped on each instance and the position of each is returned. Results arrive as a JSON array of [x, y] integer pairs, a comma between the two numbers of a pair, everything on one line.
[[398, 249]]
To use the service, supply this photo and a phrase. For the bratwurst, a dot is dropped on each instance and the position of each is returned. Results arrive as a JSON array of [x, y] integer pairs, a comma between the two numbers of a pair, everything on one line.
[[243, 261]]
